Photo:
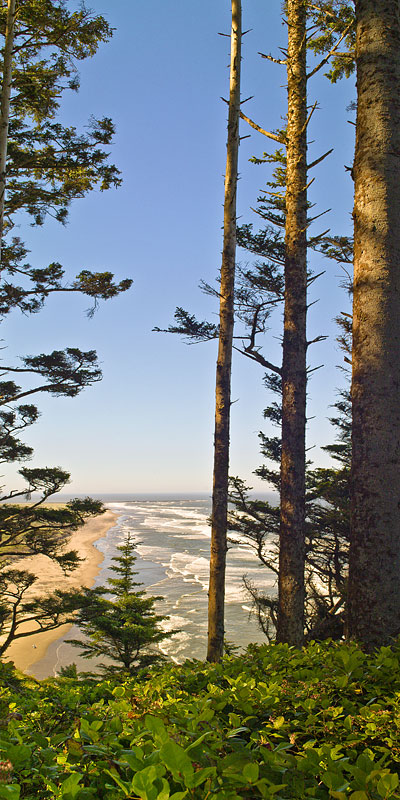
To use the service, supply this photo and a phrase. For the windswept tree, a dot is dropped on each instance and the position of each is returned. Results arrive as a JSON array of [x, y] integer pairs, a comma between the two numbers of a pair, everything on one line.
[[38, 529], [45, 166], [216, 596], [374, 598]]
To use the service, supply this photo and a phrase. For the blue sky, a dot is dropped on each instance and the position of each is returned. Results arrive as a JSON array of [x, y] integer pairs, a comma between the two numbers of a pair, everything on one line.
[[148, 427]]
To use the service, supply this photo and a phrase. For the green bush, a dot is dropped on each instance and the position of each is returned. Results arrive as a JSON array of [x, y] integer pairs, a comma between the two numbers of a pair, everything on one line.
[[273, 723]]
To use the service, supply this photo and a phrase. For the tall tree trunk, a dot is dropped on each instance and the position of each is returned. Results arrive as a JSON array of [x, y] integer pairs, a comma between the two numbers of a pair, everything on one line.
[[290, 626], [374, 597], [223, 377], [5, 107]]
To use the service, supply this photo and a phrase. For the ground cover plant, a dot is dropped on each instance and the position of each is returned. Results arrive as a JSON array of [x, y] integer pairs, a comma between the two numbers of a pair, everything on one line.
[[273, 723]]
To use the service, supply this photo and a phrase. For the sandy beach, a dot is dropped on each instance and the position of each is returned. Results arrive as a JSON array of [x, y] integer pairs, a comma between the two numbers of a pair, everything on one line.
[[27, 651]]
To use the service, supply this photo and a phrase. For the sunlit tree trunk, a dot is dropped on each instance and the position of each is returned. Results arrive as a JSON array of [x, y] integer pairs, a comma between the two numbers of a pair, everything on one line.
[[290, 626], [374, 596], [5, 106], [223, 376]]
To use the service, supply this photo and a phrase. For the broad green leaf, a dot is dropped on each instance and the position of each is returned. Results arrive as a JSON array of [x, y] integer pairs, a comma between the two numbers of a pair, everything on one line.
[[143, 782], [250, 772], [164, 793], [119, 691], [10, 792], [135, 763], [387, 784], [200, 776], [334, 780], [156, 727], [19, 755], [70, 785], [175, 759], [122, 784], [198, 741]]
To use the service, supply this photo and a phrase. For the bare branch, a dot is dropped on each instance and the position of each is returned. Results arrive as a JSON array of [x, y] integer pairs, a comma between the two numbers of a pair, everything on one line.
[[320, 338], [318, 160], [317, 216], [309, 116], [256, 127], [275, 60], [255, 355]]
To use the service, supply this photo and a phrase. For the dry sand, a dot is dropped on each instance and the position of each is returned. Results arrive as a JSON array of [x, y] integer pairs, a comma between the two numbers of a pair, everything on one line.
[[27, 651]]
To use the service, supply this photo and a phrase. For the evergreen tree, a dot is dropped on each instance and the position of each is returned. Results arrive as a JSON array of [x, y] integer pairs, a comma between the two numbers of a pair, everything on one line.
[[43, 167], [43, 164], [327, 531], [374, 598], [122, 626], [219, 512]]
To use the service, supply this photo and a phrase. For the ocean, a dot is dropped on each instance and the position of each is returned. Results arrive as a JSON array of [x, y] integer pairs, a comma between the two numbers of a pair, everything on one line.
[[172, 537]]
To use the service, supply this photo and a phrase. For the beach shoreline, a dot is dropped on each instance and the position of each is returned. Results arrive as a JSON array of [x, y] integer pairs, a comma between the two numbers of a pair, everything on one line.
[[26, 652]]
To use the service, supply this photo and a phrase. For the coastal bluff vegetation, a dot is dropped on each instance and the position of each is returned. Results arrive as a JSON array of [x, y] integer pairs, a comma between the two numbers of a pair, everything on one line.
[[275, 722]]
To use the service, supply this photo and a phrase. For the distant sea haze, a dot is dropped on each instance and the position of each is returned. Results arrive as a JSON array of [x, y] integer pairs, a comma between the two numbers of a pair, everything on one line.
[[172, 538]]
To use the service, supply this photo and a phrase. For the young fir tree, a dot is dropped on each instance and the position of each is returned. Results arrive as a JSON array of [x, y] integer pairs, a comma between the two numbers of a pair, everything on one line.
[[123, 626]]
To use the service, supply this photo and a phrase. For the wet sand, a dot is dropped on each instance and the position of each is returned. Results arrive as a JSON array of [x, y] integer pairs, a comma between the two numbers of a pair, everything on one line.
[[27, 651]]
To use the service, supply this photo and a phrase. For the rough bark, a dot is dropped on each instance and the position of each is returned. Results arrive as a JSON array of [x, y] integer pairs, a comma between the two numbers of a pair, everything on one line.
[[290, 626], [5, 106], [223, 375], [374, 597]]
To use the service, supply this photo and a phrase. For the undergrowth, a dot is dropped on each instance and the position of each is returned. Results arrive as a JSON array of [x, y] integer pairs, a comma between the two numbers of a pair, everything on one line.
[[274, 722]]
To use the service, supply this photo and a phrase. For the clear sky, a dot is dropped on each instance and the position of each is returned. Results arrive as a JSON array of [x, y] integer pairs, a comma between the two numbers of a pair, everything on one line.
[[148, 427]]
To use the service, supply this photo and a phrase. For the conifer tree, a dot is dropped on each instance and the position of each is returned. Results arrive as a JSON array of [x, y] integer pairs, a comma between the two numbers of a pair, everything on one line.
[[282, 275], [374, 598], [45, 166], [123, 626], [219, 513]]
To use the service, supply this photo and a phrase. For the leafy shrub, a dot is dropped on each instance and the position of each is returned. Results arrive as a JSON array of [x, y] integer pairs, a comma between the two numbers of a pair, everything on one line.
[[274, 723]]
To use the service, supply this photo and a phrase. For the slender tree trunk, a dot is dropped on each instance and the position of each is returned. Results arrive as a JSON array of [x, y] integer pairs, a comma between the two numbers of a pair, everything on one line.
[[223, 377], [374, 596], [5, 107], [290, 626]]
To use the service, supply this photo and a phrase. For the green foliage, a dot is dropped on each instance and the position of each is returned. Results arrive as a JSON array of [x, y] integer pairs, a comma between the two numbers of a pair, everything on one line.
[[334, 26], [275, 723], [39, 284], [122, 628], [28, 530], [48, 164]]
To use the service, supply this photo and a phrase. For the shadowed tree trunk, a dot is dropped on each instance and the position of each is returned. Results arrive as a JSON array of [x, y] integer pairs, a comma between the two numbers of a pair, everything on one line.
[[290, 627], [5, 107], [223, 376], [374, 598]]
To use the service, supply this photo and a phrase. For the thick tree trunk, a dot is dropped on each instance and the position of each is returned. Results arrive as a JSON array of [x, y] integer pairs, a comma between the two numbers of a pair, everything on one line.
[[5, 107], [223, 377], [374, 596], [290, 626]]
